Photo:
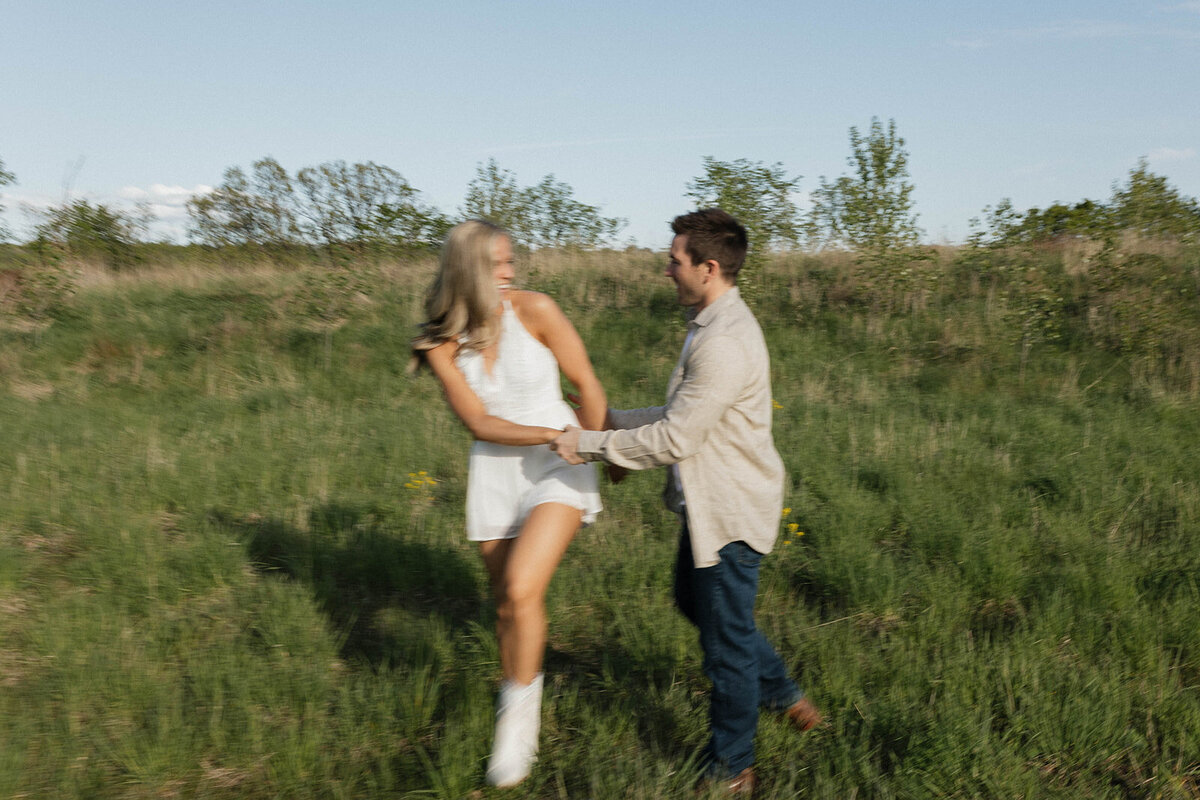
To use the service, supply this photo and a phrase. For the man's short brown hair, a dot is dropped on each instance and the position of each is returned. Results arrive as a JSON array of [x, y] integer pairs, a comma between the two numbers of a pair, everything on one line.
[[713, 234]]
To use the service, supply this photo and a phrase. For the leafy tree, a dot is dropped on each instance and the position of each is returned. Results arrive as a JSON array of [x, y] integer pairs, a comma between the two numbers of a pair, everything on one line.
[[261, 210], [552, 217], [33, 288], [1085, 218], [1148, 205], [758, 194], [335, 205], [365, 204], [543, 215], [276, 204], [1006, 226], [998, 226], [869, 211], [493, 194], [87, 230], [5, 179]]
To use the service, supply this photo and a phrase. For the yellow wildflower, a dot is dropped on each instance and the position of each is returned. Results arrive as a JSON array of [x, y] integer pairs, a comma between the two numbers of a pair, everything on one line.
[[418, 480]]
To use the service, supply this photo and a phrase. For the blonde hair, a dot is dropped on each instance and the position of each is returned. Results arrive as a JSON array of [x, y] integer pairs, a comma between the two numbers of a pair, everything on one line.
[[461, 302]]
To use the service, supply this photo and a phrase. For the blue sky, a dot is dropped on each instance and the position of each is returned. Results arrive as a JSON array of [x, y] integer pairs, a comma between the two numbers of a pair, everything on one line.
[[1040, 102]]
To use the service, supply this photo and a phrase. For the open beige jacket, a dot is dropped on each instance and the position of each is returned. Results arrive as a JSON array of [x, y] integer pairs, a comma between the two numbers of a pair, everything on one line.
[[716, 426]]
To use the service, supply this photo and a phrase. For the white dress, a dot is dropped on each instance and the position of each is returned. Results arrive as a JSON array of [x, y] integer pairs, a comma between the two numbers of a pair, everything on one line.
[[505, 483]]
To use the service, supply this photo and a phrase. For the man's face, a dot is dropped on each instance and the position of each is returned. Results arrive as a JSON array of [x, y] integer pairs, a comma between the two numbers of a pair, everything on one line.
[[689, 278]]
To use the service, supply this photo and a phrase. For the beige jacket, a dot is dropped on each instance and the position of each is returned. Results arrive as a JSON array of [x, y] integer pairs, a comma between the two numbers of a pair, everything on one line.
[[716, 426]]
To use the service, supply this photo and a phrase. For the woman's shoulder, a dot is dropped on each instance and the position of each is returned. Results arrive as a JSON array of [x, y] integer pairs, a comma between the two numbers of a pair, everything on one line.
[[539, 314], [534, 302], [534, 307]]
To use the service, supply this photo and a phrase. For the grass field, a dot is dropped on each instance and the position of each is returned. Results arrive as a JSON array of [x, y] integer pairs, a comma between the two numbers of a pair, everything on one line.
[[232, 562]]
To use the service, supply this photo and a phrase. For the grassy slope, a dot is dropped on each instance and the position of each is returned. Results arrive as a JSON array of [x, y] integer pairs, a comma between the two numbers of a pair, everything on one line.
[[221, 576]]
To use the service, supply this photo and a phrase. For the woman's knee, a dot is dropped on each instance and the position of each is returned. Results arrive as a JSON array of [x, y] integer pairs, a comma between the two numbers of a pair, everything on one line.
[[523, 596], [517, 600]]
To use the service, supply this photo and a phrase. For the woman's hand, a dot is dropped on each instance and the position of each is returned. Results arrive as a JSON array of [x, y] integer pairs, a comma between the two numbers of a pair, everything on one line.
[[566, 445], [615, 474]]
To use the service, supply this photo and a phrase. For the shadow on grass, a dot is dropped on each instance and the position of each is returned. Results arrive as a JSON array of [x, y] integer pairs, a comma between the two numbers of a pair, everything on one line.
[[359, 569], [638, 677], [659, 721]]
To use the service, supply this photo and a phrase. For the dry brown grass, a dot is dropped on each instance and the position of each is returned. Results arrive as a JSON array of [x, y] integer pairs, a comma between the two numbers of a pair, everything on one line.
[[92, 276]]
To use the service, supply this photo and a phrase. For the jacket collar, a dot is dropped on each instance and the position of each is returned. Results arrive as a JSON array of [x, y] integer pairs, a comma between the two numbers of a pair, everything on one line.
[[704, 317]]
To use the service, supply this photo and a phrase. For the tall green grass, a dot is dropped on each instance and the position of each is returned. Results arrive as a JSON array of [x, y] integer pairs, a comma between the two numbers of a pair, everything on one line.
[[221, 577]]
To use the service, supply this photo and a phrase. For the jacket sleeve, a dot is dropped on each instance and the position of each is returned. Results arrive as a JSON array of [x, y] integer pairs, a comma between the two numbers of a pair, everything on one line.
[[635, 417], [715, 376]]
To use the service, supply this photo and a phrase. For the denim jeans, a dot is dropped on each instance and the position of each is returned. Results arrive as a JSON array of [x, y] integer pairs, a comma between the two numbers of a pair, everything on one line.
[[746, 672]]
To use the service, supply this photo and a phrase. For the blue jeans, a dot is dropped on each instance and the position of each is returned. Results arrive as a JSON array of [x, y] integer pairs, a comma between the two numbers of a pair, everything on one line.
[[746, 672]]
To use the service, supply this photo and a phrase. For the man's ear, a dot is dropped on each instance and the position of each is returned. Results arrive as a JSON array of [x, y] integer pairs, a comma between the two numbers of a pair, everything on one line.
[[714, 268]]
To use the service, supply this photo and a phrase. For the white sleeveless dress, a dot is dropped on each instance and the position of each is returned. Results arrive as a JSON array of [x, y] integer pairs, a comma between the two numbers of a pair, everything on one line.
[[505, 483]]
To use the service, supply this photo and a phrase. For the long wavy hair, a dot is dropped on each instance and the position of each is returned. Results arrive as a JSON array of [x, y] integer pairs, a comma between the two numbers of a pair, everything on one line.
[[461, 302]]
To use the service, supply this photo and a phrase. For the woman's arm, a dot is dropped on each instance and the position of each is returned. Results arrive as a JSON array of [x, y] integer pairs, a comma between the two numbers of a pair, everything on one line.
[[542, 316], [470, 409]]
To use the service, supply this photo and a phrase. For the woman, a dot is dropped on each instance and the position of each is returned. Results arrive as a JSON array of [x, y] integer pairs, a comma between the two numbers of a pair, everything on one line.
[[497, 352]]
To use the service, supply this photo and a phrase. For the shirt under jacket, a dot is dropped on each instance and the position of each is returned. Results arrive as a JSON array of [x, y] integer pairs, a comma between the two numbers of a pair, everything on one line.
[[716, 426]]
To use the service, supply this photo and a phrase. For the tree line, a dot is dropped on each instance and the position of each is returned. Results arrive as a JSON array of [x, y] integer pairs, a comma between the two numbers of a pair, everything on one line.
[[1121, 273], [348, 210], [341, 209], [360, 206]]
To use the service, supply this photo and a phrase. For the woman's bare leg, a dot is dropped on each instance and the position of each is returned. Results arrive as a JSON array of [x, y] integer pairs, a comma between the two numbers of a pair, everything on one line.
[[495, 558], [520, 570]]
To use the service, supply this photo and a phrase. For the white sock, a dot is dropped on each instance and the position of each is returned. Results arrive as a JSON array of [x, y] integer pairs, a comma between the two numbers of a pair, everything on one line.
[[518, 722]]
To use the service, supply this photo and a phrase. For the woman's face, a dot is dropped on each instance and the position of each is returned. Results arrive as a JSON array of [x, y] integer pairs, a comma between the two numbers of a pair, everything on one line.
[[502, 264]]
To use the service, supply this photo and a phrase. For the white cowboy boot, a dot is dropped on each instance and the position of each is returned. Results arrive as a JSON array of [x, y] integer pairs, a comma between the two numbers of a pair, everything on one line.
[[518, 721]]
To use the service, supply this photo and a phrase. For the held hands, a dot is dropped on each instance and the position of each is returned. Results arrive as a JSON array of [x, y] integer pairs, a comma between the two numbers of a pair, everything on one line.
[[566, 445], [615, 474]]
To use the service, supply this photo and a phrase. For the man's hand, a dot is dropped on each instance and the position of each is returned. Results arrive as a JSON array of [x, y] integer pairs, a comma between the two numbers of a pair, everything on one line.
[[566, 444]]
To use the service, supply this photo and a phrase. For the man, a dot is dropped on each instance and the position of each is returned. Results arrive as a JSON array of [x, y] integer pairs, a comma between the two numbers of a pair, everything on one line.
[[725, 479]]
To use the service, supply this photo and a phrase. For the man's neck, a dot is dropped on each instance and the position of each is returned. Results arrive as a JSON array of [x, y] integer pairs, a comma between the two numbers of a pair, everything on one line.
[[712, 293]]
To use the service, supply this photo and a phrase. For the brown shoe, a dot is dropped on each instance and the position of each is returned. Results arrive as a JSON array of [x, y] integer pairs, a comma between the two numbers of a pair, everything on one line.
[[803, 715], [740, 785]]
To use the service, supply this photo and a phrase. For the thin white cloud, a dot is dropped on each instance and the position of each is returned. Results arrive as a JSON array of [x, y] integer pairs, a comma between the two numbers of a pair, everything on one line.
[[972, 43], [652, 139], [1162, 154], [1079, 30], [29, 203], [1034, 170], [167, 204], [1192, 6], [158, 193]]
